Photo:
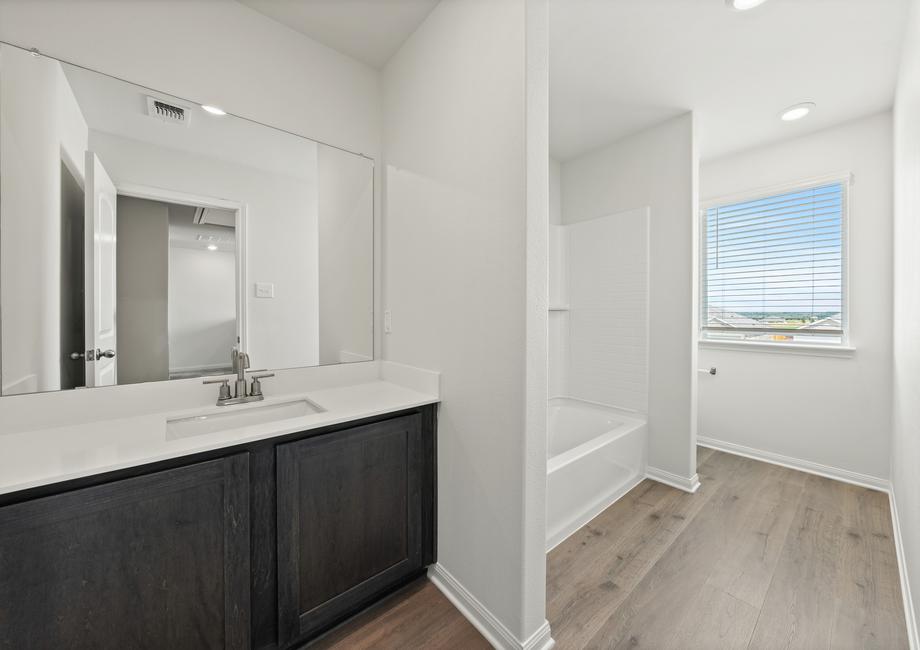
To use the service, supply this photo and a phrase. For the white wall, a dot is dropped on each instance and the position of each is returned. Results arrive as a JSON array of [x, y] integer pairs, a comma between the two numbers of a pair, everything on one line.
[[251, 66], [655, 168], [831, 411], [905, 442], [456, 282], [346, 259], [281, 236], [41, 125], [202, 308]]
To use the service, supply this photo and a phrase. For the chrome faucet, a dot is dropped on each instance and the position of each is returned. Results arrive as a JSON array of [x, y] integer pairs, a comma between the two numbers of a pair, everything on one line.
[[240, 363]]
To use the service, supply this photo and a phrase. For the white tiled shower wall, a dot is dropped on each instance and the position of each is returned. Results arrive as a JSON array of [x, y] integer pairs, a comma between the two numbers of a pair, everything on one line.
[[599, 345], [558, 319]]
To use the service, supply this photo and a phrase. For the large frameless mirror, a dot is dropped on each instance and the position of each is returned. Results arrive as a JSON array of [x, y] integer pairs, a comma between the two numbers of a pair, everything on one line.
[[144, 237]]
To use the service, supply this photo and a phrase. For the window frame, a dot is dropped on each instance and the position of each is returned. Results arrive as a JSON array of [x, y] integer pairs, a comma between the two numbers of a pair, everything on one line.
[[846, 181]]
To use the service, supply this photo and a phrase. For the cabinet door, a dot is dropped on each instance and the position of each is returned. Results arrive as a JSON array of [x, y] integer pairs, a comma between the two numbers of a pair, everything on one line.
[[349, 521], [157, 561]]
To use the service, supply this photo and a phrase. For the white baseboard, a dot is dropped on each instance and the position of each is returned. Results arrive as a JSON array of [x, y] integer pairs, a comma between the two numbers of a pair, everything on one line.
[[542, 639], [482, 619], [691, 484], [845, 475], [913, 641]]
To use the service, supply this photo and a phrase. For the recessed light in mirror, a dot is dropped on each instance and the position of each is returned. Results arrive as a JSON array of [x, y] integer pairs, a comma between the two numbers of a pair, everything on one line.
[[213, 110], [796, 112], [743, 5], [212, 247]]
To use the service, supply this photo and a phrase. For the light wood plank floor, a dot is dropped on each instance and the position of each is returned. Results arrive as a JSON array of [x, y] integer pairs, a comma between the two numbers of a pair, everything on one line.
[[760, 557], [418, 616]]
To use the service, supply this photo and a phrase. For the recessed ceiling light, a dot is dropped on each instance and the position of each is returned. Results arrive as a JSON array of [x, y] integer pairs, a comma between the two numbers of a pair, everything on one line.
[[213, 110], [743, 5], [212, 247], [796, 112]]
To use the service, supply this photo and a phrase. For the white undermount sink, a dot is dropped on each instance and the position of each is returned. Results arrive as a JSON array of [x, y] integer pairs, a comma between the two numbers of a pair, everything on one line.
[[237, 416]]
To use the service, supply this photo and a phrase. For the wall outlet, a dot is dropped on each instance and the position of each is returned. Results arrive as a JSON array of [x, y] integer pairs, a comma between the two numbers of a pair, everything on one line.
[[387, 322], [265, 290]]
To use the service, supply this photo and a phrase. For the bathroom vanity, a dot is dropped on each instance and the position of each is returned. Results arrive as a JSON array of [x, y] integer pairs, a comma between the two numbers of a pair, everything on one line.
[[149, 245], [258, 544]]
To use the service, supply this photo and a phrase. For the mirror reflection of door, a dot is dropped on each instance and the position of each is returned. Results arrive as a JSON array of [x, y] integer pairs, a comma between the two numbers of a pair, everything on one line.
[[100, 272], [176, 299], [72, 251]]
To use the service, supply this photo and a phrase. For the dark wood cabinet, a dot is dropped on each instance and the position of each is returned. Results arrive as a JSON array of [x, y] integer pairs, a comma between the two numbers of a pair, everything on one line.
[[263, 545], [349, 521], [155, 561]]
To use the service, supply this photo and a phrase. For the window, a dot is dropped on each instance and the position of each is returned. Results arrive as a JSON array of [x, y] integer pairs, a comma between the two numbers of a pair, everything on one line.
[[774, 269]]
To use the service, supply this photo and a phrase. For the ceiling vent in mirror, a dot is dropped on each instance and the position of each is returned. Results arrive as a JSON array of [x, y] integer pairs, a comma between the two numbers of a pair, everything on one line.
[[215, 217], [167, 112]]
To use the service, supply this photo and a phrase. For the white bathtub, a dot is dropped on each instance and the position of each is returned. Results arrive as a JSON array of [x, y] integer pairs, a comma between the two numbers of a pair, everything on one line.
[[596, 454]]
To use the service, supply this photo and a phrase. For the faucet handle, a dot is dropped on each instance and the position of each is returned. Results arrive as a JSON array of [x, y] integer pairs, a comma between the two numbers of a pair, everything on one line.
[[224, 393], [256, 389]]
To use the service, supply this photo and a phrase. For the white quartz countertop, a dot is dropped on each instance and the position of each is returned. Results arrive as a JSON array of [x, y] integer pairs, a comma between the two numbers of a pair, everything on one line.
[[41, 457]]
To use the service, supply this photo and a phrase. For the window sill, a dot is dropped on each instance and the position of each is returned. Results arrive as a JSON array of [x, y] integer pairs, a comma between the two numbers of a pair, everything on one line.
[[840, 351]]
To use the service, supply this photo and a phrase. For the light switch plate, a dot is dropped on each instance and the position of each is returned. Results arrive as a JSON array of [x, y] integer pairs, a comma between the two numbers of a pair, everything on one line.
[[265, 290], [387, 322]]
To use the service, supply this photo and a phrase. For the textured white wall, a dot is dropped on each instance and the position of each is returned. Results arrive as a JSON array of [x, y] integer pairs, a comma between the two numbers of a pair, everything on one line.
[[456, 282], [655, 168], [905, 443], [832, 411]]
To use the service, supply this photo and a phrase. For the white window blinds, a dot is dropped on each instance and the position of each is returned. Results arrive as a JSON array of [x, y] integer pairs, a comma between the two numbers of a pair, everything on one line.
[[774, 267]]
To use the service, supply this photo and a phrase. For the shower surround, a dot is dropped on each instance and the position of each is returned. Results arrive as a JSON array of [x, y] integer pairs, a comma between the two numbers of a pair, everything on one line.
[[598, 340]]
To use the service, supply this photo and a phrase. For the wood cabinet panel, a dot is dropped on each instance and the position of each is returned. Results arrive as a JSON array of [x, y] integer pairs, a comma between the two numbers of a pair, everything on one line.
[[350, 515], [154, 561]]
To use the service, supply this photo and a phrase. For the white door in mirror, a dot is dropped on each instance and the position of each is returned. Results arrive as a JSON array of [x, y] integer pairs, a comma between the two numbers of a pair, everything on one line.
[[99, 309]]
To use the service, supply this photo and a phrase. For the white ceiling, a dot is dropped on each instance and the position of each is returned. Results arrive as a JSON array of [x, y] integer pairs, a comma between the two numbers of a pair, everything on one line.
[[368, 30], [619, 66]]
